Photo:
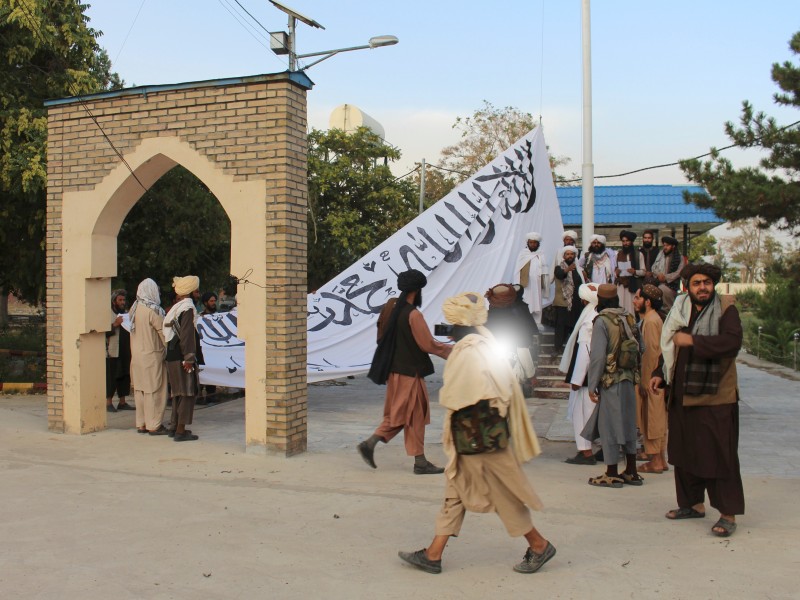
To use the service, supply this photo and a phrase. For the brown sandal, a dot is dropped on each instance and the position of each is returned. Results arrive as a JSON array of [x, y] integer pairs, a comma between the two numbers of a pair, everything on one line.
[[606, 480]]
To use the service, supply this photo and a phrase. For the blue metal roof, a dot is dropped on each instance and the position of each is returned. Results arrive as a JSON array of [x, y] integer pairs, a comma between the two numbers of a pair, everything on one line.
[[643, 204]]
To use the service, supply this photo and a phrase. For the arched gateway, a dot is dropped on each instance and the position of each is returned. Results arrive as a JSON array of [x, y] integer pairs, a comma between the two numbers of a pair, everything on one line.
[[246, 140]]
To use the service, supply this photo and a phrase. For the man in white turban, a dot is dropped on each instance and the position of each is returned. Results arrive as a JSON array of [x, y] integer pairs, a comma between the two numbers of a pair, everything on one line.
[[182, 342], [532, 274], [599, 263], [575, 364]]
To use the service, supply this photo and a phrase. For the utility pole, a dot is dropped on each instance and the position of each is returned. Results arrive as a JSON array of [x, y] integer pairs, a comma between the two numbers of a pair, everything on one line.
[[422, 187], [587, 181]]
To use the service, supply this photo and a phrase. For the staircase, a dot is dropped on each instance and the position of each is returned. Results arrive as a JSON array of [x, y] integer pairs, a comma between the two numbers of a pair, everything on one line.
[[550, 380]]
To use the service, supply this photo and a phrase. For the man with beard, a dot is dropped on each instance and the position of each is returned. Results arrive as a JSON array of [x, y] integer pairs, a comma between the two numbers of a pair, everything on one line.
[[532, 274], [651, 406], [567, 301], [612, 389], [598, 263], [629, 280], [667, 269], [407, 407], [570, 238], [575, 364], [649, 251], [701, 338], [209, 300], [118, 355]]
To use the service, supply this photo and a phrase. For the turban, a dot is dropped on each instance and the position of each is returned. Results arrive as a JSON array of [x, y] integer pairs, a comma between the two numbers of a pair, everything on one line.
[[185, 285], [652, 292], [588, 292], [501, 295], [669, 240], [533, 235], [208, 296], [566, 249], [712, 271], [607, 291], [465, 309], [626, 234], [571, 234], [598, 238], [411, 281]]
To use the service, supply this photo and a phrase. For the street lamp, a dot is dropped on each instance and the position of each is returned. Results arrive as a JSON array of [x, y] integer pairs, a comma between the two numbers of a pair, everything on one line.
[[282, 42], [758, 347]]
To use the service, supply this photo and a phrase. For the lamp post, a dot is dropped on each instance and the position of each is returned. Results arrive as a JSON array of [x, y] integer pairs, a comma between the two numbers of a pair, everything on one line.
[[758, 346], [795, 338], [282, 42]]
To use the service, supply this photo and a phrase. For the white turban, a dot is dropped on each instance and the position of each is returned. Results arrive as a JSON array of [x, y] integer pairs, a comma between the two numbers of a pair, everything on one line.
[[185, 285], [533, 235], [566, 249], [571, 234], [465, 309], [588, 292], [599, 238]]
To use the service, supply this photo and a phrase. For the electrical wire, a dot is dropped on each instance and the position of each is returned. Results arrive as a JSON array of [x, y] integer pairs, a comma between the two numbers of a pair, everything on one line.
[[239, 19], [141, 6]]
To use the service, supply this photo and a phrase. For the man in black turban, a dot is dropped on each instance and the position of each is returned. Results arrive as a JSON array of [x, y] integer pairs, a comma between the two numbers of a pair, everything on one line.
[[401, 361]]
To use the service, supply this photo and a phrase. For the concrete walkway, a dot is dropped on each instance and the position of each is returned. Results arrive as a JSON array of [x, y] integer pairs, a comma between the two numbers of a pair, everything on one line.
[[121, 515]]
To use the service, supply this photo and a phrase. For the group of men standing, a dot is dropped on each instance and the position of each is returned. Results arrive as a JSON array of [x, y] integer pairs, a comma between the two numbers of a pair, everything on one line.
[[161, 350]]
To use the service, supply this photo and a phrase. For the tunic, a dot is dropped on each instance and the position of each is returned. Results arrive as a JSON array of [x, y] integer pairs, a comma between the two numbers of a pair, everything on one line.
[[652, 419], [531, 266], [148, 368]]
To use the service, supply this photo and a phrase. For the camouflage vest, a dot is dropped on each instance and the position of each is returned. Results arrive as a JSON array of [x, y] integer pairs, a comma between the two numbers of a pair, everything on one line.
[[619, 332]]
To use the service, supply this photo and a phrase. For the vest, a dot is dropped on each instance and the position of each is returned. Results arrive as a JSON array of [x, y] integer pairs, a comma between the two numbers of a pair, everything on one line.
[[612, 374], [409, 359]]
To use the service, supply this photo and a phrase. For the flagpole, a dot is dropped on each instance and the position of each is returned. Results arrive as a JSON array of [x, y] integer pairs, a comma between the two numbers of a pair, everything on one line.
[[587, 181]]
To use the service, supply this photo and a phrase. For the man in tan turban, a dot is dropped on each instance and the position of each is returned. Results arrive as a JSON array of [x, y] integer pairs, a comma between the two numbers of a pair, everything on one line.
[[182, 348], [478, 377]]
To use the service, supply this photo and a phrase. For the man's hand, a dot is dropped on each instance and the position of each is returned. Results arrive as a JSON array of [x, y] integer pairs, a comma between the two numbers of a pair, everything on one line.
[[187, 366], [655, 384], [594, 397], [683, 340], [632, 271], [575, 387], [617, 272], [118, 321], [661, 277]]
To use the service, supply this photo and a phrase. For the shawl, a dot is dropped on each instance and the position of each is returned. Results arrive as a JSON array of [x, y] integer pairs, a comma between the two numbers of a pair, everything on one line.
[[477, 370], [603, 262], [147, 293], [534, 266], [568, 285], [660, 265], [707, 323], [172, 316]]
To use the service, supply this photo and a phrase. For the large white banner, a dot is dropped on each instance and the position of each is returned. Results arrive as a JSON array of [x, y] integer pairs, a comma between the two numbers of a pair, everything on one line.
[[467, 241], [223, 352]]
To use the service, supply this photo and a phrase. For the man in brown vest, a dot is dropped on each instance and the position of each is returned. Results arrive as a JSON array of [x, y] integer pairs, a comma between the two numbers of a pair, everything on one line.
[[407, 407], [702, 336]]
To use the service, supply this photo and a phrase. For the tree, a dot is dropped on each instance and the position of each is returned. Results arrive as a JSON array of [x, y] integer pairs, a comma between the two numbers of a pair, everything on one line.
[[354, 201], [48, 51], [754, 250], [485, 135], [177, 227], [438, 183], [770, 193], [702, 246]]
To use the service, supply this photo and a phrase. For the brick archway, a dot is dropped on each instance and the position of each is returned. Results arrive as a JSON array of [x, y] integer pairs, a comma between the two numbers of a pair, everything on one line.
[[246, 140]]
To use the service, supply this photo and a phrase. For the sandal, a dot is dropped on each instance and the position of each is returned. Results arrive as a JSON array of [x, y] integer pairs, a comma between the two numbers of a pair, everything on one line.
[[728, 527], [141, 430], [634, 479], [649, 468], [684, 513], [606, 480]]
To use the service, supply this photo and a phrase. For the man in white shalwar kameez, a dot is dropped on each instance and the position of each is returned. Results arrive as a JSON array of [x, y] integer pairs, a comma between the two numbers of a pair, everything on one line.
[[575, 364], [598, 262], [532, 274]]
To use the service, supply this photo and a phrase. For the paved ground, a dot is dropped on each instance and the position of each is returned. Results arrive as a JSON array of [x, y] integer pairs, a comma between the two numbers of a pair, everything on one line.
[[121, 515]]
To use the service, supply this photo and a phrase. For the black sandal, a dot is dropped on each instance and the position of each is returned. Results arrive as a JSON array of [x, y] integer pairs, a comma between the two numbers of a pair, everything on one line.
[[728, 527], [684, 513]]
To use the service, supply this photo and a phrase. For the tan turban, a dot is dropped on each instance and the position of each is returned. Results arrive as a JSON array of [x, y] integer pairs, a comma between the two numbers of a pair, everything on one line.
[[465, 309], [186, 285]]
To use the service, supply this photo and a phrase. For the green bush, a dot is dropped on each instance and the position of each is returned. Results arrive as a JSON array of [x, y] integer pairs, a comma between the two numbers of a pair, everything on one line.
[[777, 314], [747, 300], [29, 337]]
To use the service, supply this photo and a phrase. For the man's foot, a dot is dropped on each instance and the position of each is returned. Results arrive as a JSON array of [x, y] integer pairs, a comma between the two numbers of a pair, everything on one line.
[[186, 436], [367, 453], [427, 469], [724, 527], [631, 479], [420, 560], [607, 481], [598, 456], [161, 431], [110, 408], [677, 514], [581, 459], [125, 406], [141, 430], [532, 561]]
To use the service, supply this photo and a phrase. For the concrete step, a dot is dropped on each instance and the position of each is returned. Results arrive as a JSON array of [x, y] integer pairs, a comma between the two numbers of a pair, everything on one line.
[[550, 392]]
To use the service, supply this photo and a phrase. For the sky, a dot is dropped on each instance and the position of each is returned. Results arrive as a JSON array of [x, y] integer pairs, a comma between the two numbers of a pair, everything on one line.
[[666, 75]]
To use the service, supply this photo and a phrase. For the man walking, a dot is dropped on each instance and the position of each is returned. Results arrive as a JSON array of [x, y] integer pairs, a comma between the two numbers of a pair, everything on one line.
[[118, 355], [667, 269], [651, 405], [701, 338], [613, 373], [407, 406], [182, 348], [532, 274]]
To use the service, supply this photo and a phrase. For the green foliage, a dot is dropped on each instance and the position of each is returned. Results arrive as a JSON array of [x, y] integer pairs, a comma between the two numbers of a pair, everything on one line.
[[438, 184], [702, 246], [777, 312], [177, 228], [748, 300], [354, 201], [47, 51], [770, 193], [29, 337]]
